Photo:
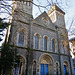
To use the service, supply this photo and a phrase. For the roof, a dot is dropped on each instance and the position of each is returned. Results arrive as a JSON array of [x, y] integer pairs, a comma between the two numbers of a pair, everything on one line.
[[55, 7], [39, 20]]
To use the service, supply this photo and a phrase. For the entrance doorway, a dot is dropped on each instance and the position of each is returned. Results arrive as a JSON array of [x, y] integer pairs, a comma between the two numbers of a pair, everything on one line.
[[46, 65]]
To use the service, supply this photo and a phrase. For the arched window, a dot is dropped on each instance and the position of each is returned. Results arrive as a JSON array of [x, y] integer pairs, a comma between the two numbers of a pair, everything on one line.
[[57, 68], [21, 38], [45, 43], [20, 67], [34, 68], [53, 45], [37, 41], [66, 67]]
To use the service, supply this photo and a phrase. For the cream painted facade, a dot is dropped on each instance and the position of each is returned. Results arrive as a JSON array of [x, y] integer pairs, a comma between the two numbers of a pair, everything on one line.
[[47, 27]]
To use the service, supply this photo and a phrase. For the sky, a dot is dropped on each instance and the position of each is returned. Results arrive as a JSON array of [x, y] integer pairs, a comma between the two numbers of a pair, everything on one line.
[[70, 15], [69, 11]]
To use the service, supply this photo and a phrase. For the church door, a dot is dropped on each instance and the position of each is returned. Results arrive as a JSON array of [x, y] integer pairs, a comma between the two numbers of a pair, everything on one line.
[[44, 69]]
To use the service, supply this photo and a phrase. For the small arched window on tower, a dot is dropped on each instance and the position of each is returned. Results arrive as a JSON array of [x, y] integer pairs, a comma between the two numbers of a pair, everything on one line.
[[45, 42], [57, 68], [53, 45], [37, 41], [34, 68], [21, 38]]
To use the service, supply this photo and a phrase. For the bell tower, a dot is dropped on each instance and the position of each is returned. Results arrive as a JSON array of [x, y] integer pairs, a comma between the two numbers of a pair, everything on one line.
[[22, 10], [21, 21], [25, 5], [57, 16]]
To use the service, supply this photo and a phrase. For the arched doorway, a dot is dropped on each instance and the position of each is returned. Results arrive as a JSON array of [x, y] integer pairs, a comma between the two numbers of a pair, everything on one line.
[[46, 65], [20, 67], [66, 68]]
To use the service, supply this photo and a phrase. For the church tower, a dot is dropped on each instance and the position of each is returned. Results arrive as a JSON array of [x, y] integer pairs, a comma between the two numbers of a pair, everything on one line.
[[22, 9], [23, 5], [20, 23], [18, 33], [57, 16]]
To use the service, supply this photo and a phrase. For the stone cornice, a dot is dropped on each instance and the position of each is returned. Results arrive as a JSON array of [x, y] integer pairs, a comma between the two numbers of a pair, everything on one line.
[[30, 49]]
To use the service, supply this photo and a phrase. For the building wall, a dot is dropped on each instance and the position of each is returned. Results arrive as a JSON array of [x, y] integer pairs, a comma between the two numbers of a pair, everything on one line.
[[30, 27], [44, 32]]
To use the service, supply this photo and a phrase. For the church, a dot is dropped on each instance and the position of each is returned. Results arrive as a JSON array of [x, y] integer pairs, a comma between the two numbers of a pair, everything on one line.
[[39, 41]]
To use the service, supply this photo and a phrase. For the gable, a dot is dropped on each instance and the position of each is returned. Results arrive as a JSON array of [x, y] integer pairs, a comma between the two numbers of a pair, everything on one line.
[[45, 21]]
